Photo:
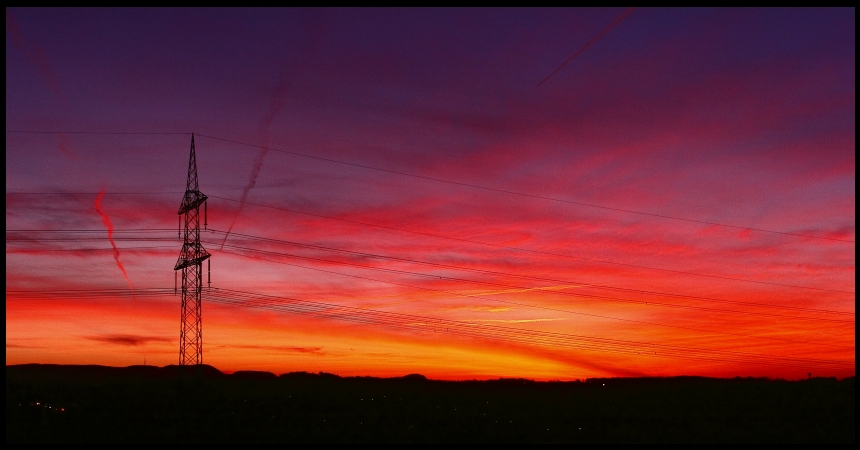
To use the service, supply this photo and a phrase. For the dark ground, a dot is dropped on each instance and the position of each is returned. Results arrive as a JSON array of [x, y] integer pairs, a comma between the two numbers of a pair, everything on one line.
[[47, 403]]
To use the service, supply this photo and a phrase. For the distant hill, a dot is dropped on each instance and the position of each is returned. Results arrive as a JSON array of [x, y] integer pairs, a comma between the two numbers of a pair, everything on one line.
[[200, 404]]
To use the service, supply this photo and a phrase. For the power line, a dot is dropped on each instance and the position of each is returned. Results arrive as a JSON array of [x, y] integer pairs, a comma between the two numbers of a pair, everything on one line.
[[522, 194], [487, 283], [457, 183], [78, 235], [89, 249], [520, 249], [91, 230], [95, 193], [553, 292], [581, 258], [409, 260], [456, 294], [102, 292], [508, 274], [483, 330], [462, 328], [472, 295], [100, 132], [91, 238], [474, 330]]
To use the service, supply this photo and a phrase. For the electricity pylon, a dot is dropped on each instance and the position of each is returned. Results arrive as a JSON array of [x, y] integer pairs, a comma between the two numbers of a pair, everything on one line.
[[191, 263]]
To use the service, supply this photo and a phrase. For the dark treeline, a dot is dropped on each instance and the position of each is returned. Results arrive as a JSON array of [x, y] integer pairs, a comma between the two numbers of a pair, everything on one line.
[[48, 403]]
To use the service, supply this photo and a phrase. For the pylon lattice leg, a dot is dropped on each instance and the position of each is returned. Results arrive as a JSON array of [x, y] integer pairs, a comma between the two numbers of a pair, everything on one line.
[[191, 263], [191, 325]]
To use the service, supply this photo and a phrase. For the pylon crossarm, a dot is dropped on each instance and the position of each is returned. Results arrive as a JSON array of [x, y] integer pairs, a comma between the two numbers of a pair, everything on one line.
[[191, 200]]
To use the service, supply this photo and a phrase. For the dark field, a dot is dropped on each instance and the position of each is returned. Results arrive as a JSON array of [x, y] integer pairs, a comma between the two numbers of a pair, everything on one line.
[[148, 404]]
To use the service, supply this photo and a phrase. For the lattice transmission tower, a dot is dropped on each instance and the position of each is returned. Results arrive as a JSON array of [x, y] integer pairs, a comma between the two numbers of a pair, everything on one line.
[[190, 262]]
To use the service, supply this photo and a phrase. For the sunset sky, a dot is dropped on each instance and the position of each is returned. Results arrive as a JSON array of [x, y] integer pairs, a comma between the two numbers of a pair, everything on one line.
[[677, 199]]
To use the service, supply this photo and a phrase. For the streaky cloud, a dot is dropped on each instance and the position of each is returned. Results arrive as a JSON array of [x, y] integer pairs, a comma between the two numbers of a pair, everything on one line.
[[109, 226]]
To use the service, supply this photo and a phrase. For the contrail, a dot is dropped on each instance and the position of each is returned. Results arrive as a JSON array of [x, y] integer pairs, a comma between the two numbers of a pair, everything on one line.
[[279, 99], [109, 226], [37, 57], [599, 35], [277, 103], [34, 53]]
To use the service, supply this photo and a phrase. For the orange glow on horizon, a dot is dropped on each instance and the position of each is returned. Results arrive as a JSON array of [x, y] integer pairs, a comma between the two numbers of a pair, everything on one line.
[[389, 193]]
